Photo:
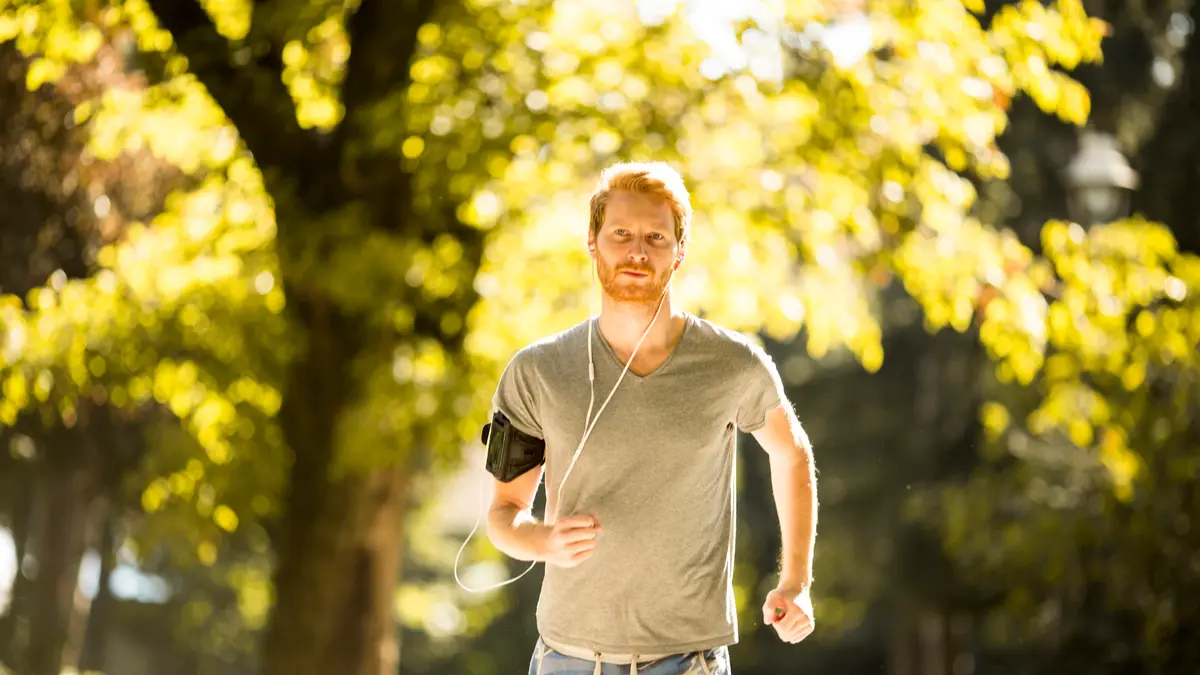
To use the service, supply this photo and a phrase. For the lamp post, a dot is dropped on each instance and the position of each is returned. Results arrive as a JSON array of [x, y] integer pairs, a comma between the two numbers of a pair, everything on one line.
[[1099, 180]]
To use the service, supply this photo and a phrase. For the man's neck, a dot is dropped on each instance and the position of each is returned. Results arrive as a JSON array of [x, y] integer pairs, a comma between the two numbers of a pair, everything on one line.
[[622, 325]]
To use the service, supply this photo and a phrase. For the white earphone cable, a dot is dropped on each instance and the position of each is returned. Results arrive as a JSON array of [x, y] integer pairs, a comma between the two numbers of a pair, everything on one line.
[[591, 424]]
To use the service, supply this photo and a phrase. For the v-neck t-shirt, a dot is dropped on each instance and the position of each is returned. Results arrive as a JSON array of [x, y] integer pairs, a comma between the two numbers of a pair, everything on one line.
[[657, 471]]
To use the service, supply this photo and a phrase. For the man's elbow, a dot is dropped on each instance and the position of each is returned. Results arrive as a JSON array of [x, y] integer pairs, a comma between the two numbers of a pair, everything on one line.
[[494, 525], [502, 521]]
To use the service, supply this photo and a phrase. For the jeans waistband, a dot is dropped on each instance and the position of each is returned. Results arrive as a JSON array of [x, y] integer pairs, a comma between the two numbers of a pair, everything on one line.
[[602, 657]]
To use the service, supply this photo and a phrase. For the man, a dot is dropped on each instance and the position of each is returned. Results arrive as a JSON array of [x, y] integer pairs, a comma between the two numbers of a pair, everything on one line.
[[638, 409]]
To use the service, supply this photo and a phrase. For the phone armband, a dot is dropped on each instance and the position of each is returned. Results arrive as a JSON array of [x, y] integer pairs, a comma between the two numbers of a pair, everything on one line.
[[510, 451]]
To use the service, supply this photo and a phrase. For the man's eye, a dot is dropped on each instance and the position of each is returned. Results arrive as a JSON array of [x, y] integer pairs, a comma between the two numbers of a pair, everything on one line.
[[621, 232], [656, 235]]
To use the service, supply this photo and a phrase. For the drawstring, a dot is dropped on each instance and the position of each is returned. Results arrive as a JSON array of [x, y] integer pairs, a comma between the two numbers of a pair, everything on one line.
[[704, 664], [633, 668]]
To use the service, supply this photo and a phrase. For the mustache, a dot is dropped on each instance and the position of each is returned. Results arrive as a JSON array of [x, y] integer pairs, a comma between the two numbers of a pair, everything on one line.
[[644, 269]]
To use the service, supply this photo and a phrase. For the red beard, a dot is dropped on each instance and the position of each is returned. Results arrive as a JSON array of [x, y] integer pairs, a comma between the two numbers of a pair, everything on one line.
[[622, 288]]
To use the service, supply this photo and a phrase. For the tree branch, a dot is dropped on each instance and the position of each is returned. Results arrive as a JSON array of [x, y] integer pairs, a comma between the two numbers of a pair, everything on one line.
[[253, 96], [383, 39]]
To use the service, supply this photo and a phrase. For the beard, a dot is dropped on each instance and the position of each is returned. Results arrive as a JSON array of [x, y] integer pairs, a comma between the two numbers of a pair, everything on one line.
[[622, 288]]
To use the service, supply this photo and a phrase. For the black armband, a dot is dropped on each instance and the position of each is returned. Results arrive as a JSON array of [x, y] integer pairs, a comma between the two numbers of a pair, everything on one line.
[[510, 451]]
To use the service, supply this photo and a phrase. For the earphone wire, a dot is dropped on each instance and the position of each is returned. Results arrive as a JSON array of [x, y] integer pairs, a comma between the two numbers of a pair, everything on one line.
[[589, 425], [478, 518]]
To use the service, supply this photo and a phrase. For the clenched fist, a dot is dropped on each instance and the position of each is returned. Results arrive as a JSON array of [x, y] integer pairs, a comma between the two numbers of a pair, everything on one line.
[[570, 541], [790, 612]]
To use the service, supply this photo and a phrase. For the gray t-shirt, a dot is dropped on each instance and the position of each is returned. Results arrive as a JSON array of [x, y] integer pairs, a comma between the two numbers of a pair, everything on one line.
[[657, 472]]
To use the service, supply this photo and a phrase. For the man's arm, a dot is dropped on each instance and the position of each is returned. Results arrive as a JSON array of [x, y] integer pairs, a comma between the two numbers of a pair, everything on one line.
[[511, 525], [794, 484]]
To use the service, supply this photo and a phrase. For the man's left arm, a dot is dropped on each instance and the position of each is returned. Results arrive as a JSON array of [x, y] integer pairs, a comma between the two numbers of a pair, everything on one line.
[[794, 483]]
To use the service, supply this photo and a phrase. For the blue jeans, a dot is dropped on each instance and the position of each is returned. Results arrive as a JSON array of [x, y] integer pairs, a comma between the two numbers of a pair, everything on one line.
[[708, 662]]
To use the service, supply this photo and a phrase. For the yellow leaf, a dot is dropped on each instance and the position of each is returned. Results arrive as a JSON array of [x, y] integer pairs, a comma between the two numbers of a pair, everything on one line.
[[872, 357], [1133, 375], [154, 496], [1080, 432], [43, 71], [9, 28], [15, 390], [1144, 323], [995, 418], [225, 518], [206, 552], [1122, 464]]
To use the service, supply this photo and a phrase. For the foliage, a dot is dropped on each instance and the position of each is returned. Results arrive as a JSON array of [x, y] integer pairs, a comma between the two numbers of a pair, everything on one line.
[[1088, 482], [844, 142]]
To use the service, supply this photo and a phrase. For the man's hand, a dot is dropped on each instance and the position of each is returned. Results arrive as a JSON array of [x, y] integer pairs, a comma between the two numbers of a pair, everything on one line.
[[790, 612], [570, 541]]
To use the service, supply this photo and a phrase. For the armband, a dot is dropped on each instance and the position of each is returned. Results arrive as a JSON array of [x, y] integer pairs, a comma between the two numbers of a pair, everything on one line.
[[510, 451]]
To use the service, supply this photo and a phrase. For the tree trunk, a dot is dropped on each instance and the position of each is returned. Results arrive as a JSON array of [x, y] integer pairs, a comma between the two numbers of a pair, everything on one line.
[[336, 584], [932, 631], [92, 651], [60, 531], [339, 544], [339, 541], [1170, 161], [901, 643], [11, 623]]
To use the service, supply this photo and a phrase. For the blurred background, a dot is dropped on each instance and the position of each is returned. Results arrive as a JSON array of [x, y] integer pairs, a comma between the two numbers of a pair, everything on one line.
[[261, 264]]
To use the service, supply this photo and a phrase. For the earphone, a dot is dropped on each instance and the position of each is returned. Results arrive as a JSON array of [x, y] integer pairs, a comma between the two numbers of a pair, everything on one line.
[[589, 424]]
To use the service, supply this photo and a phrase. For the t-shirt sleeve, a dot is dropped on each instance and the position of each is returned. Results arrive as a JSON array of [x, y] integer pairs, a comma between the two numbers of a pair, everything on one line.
[[762, 392], [517, 396]]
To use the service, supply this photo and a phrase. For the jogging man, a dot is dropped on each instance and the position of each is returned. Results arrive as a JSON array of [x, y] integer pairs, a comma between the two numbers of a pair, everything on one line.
[[632, 416]]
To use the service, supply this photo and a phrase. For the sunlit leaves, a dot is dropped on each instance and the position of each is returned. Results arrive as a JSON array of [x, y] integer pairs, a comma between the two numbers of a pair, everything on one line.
[[48, 29], [184, 315], [176, 120], [313, 69], [817, 178], [231, 17], [1033, 39], [1121, 321], [1104, 429], [848, 168]]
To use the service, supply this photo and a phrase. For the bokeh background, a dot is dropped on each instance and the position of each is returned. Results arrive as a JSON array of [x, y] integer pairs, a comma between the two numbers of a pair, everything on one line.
[[261, 264]]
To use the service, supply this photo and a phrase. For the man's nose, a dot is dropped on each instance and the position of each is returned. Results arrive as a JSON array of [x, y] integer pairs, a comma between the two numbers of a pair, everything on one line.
[[637, 252]]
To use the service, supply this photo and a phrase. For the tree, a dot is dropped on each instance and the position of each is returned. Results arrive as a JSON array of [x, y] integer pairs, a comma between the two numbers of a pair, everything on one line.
[[169, 318], [327, 309], [1082, 494], [59, 208]]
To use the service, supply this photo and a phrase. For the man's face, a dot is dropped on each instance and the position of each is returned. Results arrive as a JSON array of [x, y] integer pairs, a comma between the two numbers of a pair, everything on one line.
[[636, 247]]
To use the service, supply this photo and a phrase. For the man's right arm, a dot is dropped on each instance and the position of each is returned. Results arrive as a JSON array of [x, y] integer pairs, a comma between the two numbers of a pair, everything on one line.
[[511, 525], [513, 529]]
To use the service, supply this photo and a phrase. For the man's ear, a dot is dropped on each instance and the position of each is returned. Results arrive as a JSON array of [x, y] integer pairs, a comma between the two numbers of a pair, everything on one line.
[[681, 255]]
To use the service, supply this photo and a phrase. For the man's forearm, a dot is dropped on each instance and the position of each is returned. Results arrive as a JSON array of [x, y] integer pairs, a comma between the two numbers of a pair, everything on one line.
[[516, 533], [794, 483]]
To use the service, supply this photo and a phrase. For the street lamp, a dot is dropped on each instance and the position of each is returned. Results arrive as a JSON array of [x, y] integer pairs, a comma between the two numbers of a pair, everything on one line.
[[1099, 180]]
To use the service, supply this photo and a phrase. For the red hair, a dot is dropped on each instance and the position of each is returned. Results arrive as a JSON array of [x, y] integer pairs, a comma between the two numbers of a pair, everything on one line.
[[649, 178]]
